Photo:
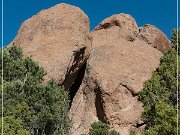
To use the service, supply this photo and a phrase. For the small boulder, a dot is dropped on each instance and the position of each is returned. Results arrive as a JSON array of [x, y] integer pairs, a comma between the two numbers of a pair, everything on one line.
[[124, 23], [154, 37]]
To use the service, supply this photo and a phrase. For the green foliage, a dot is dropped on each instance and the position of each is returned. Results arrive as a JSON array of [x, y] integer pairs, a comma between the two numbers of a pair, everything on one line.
[[14, 126], [159, 96], [113, 132], [132, 132], [174, 39], [99, 128], [30, 106]]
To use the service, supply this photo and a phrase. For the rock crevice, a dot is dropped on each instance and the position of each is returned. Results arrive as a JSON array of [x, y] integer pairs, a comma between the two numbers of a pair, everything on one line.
[[78, 81], [108, 25], [129, 89], [72, 71], [99, 105]]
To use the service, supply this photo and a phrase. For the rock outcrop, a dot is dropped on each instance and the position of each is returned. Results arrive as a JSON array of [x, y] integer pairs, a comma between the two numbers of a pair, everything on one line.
[[104, 70], [115, 72], [58, 38]]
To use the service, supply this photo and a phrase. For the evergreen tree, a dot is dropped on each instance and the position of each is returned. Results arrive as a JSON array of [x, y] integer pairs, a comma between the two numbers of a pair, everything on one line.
[[174, 39], [159, 96], [30, 106]]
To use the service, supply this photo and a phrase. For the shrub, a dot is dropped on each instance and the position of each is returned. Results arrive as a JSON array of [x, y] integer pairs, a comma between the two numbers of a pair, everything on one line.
[[100, 128]]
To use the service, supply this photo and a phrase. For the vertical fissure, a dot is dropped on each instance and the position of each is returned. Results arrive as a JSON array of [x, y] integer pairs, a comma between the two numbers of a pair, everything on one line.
[[75, 86], [99, 106]]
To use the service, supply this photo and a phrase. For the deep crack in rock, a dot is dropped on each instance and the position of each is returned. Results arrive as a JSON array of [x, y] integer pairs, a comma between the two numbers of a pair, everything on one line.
[[78, 80], [99, 106], [71, 73]]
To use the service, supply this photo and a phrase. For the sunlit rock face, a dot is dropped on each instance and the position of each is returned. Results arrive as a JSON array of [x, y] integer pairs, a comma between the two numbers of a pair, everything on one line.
[[103, 70]]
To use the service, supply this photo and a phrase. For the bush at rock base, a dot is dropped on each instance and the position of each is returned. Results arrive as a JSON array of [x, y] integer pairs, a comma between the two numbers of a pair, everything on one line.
[[100, 128]]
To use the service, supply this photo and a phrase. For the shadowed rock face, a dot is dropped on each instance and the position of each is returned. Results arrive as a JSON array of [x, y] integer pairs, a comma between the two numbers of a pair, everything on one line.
[[103, 70]]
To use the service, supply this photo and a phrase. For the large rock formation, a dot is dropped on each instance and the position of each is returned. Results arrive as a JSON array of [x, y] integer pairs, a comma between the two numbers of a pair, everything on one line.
[[119, 63], [57, 38], [103, 70]]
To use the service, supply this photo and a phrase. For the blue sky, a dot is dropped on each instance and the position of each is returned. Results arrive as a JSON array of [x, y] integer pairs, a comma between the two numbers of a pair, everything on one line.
[[161, 13]]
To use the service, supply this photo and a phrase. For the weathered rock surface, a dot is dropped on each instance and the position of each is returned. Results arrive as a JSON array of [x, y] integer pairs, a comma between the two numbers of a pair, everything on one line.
[[115, 73], [154, 37], [57, 38], [103, 70], [124, 24]]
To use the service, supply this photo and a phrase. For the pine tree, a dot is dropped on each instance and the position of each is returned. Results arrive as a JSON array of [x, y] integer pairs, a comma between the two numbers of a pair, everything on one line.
[[30, 106], [159, 96]]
